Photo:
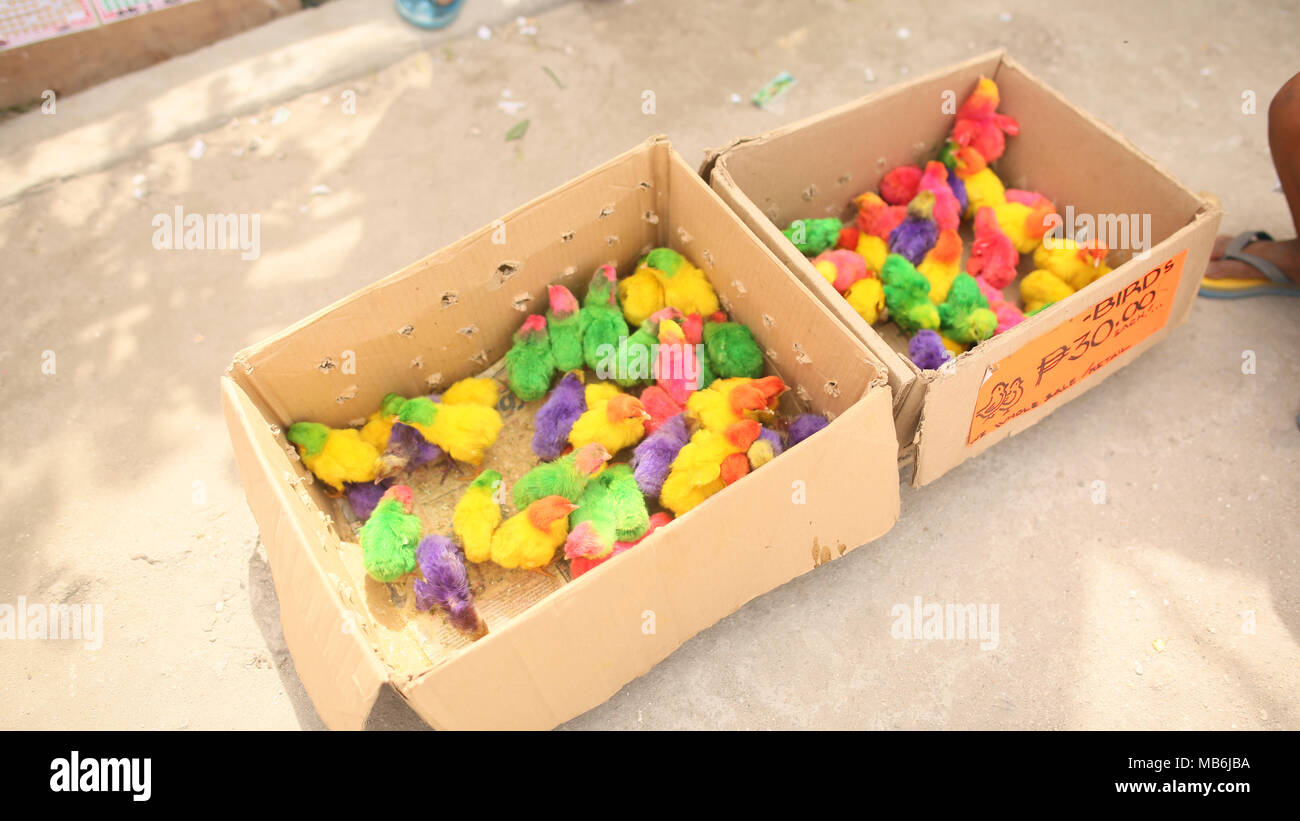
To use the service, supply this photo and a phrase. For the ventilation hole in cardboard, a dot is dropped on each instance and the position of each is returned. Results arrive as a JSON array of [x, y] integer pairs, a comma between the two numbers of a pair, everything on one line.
[[802, 392], [844, 179], [644, 186], [567, 236], [505, 270], [830, 417], [739, 286], [306, 479], [684, 235], [773, 212], [920, 146], [326, 365], [948, 367], [468, 330], [274, 428], [880, 162], [572, 270], [645, 249], [768, 321], [292, 452], [406, 330], [357, 421], [708, 257], [520, 302], [808, 193], [800, 355], [433, 380], [831, 387], [417, 362], [481, 359], [771, 354], [349, 393], [611, 240], [650, 217], [724, 302], [606, 211], [448, 299]]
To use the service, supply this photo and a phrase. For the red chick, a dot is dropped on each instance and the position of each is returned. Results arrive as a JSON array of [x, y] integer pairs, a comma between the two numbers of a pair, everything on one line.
[[980, 126], [993, 257]]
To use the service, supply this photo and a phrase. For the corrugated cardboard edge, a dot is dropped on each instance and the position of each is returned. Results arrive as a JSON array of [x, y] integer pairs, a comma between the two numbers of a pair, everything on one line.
[[338, 667]]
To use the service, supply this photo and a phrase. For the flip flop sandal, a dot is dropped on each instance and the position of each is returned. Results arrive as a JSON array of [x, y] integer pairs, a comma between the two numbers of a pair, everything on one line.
[[427, 14], [1273, 283]]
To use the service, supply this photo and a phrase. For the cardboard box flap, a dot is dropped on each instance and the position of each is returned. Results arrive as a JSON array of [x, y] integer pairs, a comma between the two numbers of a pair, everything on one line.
[[331, 653]]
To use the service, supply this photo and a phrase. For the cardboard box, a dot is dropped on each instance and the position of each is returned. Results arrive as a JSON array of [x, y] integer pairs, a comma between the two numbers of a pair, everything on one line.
[[815, 167], [452, 315]]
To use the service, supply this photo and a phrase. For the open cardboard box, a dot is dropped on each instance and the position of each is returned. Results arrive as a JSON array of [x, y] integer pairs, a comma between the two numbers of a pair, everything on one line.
[[814, 168], [551, 657]]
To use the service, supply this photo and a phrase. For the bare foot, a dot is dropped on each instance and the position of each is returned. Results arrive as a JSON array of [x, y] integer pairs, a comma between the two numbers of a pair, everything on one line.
[[1285, 254]]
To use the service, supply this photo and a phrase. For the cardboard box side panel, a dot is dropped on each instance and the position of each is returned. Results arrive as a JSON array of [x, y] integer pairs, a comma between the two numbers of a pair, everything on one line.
[[950, 397], [898, 373], [631, 613], [826, 365], [455, 312], [1101, 174], [336, 664]]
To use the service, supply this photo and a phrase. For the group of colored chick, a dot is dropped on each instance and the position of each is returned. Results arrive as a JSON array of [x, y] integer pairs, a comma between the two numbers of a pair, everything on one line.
[[900, 258], [695, 419]]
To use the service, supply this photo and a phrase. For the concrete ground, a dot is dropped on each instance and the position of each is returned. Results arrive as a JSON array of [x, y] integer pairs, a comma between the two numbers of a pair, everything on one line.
[[1140, 544]]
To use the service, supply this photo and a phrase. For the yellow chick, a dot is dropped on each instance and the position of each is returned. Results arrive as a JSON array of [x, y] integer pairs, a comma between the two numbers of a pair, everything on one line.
[[984, 188], [726, 401], [867, 297], [941, 265], [1075, 265], [640, 295], [705, 466], [1041, 288], [380, 424], [477, 515], [686, 288], [873, 249], [334, 456], [463, 431], [615, 423], [954, 347], [473, 391], [530, 538], [597, 392]]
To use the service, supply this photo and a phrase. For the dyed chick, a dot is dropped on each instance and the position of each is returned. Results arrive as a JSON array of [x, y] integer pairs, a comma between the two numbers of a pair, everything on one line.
[[877, 217], [602, 320], [529, 539], [555, 418], [841, 268], [965, 316], [982, 187], [477, 515], [529, 362], [867, 297], [612, 509], [472, 391], [705, 465], [803, 426], [766, 447], [641, 295], [812, 236], [727, 401], [732, 349], [980, 126], [900, 184], [567, 476], [660, 406], [1041, 288], [407, 450], [446, 585], [614, 424], [334, 456], [993, 257], [1023, 217], [635, 359], [465, 432], [365, 496], [873, 251], [389, 536], [653, 457], [1008, 313], [564, 327], [1076, 265], [947, 210], [917, 233], [907, 295], [380, 424], [926, 350], [686, 288], [677, 368], [582, 564], [942, 265]]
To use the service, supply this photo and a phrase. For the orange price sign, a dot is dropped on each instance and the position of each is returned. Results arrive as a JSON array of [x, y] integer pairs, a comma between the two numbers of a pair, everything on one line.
[[1077, 348]]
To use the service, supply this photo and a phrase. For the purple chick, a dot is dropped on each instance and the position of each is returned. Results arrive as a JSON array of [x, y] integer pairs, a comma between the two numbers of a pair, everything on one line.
[[804, 426], [652, 459], [555, 418], [446, 584], [958, 186], [408, 449], [363, 496], [917, 233], [772, 438], [926, 350]]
